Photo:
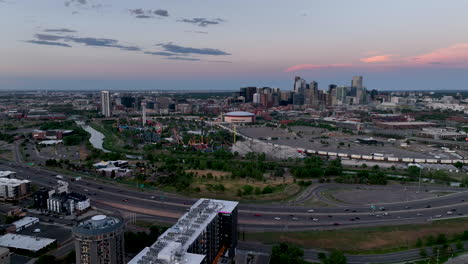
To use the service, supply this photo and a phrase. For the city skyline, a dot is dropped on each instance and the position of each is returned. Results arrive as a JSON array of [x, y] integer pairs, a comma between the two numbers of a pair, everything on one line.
[[170, 45]]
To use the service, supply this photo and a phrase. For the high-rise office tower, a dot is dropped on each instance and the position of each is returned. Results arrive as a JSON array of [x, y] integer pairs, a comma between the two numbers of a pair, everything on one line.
[[99, 240], [143, 113], [203, 235], [357, 82], [105, 103]]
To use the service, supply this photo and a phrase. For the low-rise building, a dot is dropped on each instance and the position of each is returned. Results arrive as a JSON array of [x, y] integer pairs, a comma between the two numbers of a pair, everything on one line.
[[25, 222], [27, 244], [14, 189], [443, 133], [68, 203]]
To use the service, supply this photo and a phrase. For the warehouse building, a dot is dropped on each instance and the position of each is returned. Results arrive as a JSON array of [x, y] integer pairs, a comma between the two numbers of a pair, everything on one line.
[[27, 245]]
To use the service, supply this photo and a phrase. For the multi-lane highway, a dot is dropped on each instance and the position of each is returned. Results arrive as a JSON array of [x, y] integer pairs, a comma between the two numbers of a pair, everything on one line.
[[165, 207]]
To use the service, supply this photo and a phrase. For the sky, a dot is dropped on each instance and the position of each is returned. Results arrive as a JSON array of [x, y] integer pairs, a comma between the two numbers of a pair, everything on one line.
[[227, 44]]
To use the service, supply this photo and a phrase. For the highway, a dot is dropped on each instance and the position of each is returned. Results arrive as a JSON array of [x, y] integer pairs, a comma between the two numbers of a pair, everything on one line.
[[164, 207], [167, 208]]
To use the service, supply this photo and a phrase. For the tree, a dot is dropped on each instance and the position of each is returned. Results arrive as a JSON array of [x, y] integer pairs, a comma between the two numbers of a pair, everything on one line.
[[46, 259], [336, 257], [458, 164], [423, 253], [286, 254], [459, 245]]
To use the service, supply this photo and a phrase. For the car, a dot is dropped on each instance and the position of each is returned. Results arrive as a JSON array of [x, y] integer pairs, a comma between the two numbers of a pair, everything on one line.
[[346, 210], [385, 214], [314, 219], [100, 187], [277, 218], [428, 206], [449, 212], [351, 219], [353, 211], [295, 218], [291, 215], [310, 210], [357, 218], [125, 200], [463, 200], [460, 214], [152, 197], [51, 220], [86, 190], [371, 214], [407, 207], [330, 216], [382, 208], [257, 215], [438, 216], [419, 214], [336, 224]]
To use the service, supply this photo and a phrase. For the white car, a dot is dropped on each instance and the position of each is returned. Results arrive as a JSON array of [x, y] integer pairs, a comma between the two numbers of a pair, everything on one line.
[[314, 219], [277, 218], [438, 216], [310, 211], [449, 212], [295, 218], [419, 214]]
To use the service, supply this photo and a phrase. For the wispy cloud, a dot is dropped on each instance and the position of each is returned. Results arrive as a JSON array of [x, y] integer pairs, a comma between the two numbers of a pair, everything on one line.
[[87, 41], [141, 13], [60, 30], [48, 43], [159, 53], [183, 58], [76, 2], [169, 47], [196, 31], [378, 58], [202, 22], [301, 67]]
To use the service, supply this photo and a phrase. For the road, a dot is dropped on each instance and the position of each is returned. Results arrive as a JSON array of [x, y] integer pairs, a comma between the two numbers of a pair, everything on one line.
[[164, 207]]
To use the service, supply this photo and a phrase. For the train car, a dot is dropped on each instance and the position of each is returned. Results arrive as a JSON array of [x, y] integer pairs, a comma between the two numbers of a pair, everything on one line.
[[354, 156], [311, 151], [393, 159], [431, 161], [322, 152], [465, 161], [366, 157], [458, 160], [446, 161], [300, 150], [420, 160], [379, 158], [342, 155], [332, 154], [408, 160]]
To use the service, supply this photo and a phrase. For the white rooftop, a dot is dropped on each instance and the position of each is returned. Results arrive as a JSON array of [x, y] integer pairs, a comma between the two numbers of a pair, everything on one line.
[[25, 221], [12, 182], [6, 173], [25, 242], [172, 245]]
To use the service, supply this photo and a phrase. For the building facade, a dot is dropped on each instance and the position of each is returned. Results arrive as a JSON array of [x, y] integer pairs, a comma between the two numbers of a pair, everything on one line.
[[100, 240], [206, 233], [105, 104]]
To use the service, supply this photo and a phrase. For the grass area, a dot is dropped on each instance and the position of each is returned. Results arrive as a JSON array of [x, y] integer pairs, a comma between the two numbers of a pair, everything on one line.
[[283, 189], [367, 240]]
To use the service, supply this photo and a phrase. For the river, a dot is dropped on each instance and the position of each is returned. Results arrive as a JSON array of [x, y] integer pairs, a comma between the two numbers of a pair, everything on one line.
[[97, 140]]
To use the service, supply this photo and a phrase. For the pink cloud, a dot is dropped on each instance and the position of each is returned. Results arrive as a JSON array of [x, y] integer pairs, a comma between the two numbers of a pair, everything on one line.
[[378, 58], [455, 55], [300, 67]]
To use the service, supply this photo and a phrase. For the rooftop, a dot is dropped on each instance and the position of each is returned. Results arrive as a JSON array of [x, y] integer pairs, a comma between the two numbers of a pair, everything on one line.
[[25, 221], [98, 224], [172, 245], [239, 113], [25, 242], [6, 173], [12, 182]]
